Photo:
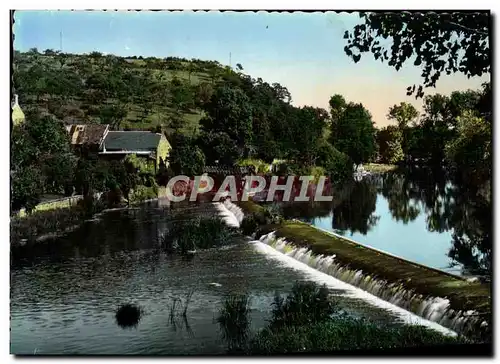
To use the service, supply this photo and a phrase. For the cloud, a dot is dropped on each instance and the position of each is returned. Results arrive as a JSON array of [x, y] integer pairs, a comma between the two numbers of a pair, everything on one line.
[[127, 48]]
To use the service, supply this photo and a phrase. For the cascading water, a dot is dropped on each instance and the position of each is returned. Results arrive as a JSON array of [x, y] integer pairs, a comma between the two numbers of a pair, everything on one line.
[[434, 309], [230, 213]]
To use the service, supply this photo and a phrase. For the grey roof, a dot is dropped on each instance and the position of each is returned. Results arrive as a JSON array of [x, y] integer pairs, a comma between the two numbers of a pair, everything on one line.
[[131, 140]]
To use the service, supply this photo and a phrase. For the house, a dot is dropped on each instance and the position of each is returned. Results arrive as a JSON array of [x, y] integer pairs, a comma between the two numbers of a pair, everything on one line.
[[17, 113], [87, 136], [153, 146]]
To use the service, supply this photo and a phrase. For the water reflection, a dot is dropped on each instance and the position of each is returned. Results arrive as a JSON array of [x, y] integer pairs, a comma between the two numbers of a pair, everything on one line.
[[419, 206], [354, 211]]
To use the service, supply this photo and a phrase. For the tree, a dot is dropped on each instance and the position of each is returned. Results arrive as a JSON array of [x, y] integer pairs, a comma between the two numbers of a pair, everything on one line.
[[113, 115], [48, 134], [337, 105], [185, 157], [337, 165], [471, 151], [389, 144], [219, 147], [59, 170], [26, 188], [230, 111], [438, 42], [354, 133], [204, 92], [404, 114], [306, 129]]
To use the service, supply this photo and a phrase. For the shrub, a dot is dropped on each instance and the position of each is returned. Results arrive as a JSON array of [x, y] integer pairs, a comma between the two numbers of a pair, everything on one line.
[[336, 164], [306, 304], [259, 165], [249, 224], [142, 193], [201, 233]]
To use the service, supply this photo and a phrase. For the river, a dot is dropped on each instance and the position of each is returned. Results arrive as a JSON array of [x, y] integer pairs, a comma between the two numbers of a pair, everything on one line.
[[419, 215], [65, 291]]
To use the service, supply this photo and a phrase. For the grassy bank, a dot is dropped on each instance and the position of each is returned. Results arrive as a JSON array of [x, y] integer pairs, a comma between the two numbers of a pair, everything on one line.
[[379, 168], [50, 223], [61, 203], [463, 295]]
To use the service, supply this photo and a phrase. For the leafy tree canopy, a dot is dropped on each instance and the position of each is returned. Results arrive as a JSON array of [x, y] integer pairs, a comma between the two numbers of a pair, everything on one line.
[[438, 42]]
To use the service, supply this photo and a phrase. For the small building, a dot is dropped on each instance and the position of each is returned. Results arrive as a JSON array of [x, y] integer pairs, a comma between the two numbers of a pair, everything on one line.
[[153, 146], [17, 113], [87, 137]]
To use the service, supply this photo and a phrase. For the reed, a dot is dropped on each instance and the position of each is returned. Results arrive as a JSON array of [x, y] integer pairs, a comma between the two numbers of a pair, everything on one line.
[[185, 237], [234, 322]]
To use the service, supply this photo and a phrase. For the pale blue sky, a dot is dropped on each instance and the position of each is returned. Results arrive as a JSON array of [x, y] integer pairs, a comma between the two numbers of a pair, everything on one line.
[[302, 51]]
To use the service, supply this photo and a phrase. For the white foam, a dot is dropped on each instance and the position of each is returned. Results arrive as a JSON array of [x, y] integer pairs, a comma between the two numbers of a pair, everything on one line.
[[227, 216], [350, 290]]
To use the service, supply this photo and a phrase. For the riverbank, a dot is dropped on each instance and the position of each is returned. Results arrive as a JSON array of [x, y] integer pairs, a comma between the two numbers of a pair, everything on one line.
[[379, 168], [55, 218], [308, 320]]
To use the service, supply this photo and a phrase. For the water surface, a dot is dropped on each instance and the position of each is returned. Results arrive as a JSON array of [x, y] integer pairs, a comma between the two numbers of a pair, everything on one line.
[[419, 215], [65, 292]]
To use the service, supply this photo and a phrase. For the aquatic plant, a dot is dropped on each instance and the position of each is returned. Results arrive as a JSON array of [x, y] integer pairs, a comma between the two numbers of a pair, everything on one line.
[[345, 334], [234, 322], [308, 321], [185, 237], [128, 315], [250, 224], [307, 303]]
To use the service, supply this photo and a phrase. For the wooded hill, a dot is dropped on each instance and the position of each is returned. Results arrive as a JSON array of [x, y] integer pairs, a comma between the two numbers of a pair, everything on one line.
[[128, 93]]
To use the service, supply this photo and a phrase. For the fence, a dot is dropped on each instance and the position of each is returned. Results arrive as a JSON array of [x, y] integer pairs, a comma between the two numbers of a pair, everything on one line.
[[56, 204], [226, 170]]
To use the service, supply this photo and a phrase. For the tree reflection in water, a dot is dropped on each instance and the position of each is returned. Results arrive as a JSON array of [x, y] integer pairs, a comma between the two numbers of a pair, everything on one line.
[[446, 205], [354, 207]]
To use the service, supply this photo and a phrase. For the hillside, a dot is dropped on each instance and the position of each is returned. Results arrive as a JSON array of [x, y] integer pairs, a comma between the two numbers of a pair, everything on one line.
[[128, 93]]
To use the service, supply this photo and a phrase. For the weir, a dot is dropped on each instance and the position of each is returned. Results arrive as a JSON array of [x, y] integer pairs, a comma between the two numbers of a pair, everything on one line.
[[436, 296]]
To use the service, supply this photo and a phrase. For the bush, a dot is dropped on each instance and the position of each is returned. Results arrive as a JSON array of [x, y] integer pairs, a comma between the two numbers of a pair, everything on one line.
[[259, 165], [142, 193], [249, 224], [199, 233], [306, 304], [336, 164]]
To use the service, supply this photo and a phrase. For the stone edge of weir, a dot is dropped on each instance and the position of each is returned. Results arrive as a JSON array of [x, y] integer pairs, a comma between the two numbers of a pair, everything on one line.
[[466, 299]]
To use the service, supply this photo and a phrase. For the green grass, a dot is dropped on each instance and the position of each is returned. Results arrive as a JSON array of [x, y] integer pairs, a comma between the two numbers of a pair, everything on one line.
[[379, 168], [345, 334]]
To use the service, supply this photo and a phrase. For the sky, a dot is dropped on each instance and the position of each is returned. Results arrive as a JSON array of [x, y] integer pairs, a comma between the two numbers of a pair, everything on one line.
[[301, 51]]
